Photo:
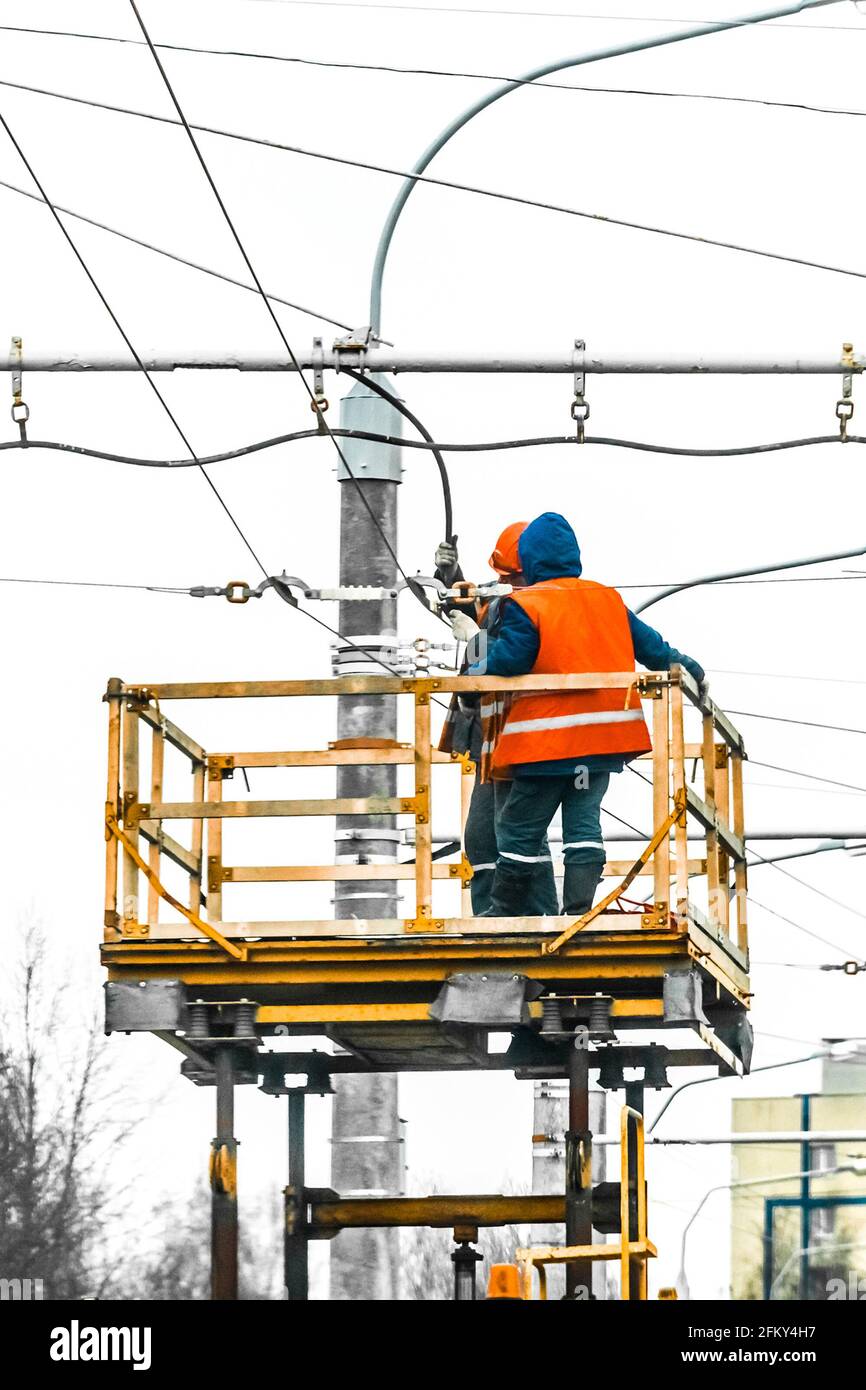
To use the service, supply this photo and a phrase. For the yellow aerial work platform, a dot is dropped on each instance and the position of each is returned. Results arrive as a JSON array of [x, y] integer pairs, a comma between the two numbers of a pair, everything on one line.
[[368, 984], [423, 991]]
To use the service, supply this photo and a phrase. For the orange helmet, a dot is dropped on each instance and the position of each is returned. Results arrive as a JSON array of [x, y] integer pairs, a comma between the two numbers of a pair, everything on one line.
[[505, 559]]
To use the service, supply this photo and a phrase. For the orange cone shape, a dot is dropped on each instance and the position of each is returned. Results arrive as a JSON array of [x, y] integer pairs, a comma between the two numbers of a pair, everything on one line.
[[504, 1282]]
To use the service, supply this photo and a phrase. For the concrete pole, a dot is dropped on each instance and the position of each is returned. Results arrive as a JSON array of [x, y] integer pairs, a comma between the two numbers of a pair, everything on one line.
[[366, 1158]]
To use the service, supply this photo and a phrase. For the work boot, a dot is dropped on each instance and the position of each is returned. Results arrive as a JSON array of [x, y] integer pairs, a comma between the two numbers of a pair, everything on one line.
[[578, 891], [511, 885]]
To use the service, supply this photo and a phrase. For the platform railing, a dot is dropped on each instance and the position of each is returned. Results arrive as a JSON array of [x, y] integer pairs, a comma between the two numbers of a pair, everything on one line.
[[136, 819]]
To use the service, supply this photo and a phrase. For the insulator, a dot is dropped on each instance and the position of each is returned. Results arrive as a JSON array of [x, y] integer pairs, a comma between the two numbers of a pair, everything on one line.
[[198, 1024], [551, 1015], [245, 1020], [599, 1017]]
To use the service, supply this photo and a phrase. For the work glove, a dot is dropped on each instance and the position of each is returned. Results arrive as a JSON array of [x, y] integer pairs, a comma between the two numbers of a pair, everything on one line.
[[447, 561], [463, 627]]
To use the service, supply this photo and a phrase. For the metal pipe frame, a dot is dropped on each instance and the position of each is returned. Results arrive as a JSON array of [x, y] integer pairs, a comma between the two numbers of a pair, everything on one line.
[[558, 65], [665, 858], [476, 362]]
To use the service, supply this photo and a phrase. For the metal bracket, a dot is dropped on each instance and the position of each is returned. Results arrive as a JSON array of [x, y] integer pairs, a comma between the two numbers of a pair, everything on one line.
[[356, 341], [20, 411], [845, 404], [580, 405], [319, 404]]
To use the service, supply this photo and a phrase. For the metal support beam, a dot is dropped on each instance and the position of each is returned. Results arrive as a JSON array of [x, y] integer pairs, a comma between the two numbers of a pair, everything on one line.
[[472, 362], [578, 1169], [465, 1260], [224, 1187], [296, 1235], [330, 1213]]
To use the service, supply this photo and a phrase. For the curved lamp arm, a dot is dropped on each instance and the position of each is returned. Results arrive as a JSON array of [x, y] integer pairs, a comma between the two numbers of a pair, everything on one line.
[[658, 41]]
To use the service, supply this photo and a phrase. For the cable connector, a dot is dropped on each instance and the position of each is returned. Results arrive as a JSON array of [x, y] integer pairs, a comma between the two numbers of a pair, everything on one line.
[[319, 403], [845, 405], [580, 405], [356, 341], [20, 411]]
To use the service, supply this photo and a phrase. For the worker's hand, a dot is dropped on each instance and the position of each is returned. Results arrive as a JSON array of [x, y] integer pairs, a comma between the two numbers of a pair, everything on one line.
[[463, 627], [704, 688], [447, 561]]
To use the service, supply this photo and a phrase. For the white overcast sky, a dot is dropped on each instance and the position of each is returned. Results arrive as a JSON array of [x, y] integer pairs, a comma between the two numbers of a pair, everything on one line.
[[465, 272]]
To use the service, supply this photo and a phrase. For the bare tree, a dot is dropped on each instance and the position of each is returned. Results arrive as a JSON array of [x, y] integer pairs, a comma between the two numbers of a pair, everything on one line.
[[60, 1124]]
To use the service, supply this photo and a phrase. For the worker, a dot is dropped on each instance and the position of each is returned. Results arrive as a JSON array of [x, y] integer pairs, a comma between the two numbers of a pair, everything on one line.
[[472, 725], [562, 747]]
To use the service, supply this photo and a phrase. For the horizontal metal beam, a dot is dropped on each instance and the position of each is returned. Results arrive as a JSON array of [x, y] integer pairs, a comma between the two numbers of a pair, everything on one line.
[[770, 1136], [216, 810], [647, 681], [332, 1214], [615, 836], [478, 361]]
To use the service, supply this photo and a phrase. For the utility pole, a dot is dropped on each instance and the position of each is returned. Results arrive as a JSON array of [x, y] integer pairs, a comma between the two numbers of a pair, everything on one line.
[[366, 1158]]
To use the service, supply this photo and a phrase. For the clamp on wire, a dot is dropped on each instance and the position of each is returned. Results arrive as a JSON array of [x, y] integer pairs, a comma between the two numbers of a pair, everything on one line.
[[20, 411], [580, 405], [238, 591], [845, 404], [319, 404], [356, 341]]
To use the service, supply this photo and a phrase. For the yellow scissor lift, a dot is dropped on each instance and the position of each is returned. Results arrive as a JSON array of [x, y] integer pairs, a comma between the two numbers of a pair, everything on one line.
[[422, 992]]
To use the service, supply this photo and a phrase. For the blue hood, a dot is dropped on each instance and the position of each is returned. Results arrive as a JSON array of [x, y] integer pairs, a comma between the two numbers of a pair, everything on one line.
[[548, 549]]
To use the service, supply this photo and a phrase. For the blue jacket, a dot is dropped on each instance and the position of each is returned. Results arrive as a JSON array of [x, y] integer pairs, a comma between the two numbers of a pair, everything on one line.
[[549, 550]]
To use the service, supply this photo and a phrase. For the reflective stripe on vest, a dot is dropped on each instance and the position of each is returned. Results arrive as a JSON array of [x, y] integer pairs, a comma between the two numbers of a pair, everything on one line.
[[570, 721], [582, 627]]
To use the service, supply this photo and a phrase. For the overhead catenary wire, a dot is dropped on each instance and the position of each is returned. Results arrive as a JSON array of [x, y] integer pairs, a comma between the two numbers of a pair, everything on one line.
[[268, 306], [828, 897], [804, 723], [477, 11], [127, 340], [486, 446], [812, 776], [550, 14], [174, 256], [431, 179], [807, 931], [415, 71]]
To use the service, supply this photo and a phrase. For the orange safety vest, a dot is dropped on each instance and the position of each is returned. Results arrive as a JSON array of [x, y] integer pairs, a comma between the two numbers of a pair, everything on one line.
[[582, 626]]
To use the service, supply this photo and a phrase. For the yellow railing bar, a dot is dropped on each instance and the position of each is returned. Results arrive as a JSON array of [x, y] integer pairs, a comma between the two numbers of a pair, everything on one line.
[[677, 815], [236, 952]]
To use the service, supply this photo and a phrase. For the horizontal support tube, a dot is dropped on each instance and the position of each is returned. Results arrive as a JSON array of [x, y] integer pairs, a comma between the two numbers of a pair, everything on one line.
[[615, 836], [345, 873], [607, 925], [268, 1015], [770, 1136], [479, 361], [710, 820], [331, 873], [212, 810], [335, 757], [173, 735], [342, 1212], [178, 853], [396, 685]]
